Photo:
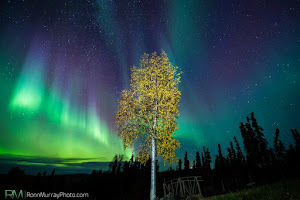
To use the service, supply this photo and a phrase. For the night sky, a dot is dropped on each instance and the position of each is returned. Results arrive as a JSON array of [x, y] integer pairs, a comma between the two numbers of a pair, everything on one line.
[[63, 65]]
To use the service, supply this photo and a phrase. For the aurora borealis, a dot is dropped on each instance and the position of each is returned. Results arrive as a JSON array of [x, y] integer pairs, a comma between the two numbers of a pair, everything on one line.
[[64, 63]]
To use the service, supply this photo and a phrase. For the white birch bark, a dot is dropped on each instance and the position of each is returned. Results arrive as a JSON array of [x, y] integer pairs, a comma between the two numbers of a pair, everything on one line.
[[153, 160], [153, 171]]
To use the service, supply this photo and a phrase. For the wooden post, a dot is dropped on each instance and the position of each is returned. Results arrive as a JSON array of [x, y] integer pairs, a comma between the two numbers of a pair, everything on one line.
[[198, 185], [222, 186]]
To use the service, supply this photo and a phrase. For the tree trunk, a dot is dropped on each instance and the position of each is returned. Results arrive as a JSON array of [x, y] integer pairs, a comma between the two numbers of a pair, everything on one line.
[[153, 160], [153, 171]]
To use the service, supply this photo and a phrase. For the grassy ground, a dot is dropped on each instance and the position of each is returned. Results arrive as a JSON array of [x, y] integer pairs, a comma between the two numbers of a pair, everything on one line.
[[284, 190]]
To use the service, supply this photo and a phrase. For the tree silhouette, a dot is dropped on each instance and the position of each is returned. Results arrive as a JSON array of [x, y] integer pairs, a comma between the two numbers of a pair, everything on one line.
[[296, 137], [229, 159], [202, 157], [198, 161], [233, 151], [239, 154], [279, 148], [179, 165], [207, 160], [261, 141], [217, 162], [53, 172], [120, 160], [17, 176], [255, 143], [126, 166], [16, 172], [221, 157], [249, 143], [131, 160], [115, 165], [186, 162]]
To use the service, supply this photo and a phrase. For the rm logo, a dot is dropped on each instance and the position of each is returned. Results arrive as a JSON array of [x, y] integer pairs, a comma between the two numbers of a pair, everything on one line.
[[12, 194]]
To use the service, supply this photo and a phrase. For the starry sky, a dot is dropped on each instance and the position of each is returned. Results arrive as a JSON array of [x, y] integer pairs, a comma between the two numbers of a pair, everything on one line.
[[63, 64]]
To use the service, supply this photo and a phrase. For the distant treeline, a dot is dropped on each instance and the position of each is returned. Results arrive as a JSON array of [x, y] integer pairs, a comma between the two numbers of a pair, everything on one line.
[[131, 180], [260, 164]]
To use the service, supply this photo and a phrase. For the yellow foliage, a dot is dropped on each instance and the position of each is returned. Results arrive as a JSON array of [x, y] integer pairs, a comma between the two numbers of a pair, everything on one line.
[[150, 107]]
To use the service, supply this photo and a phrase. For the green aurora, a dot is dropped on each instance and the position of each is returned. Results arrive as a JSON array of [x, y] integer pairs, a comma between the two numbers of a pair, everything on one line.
[[43, 122]]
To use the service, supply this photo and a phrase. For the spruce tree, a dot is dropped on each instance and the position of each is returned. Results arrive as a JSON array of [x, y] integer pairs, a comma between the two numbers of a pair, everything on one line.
[[202, 157], [255, 143], [207, 160], [179, 165], [217, 162], [221, 157], [261, 141], [279, 147], [186, 162], [229, 158], [232, 151], [296, 137], [198, 160], [239, 155]]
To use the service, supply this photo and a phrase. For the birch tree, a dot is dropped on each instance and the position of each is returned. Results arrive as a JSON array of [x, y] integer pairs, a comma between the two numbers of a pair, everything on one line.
[[148, 111]]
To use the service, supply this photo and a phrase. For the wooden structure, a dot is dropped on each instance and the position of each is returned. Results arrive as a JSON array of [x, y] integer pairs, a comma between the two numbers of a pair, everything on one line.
[[183, 186]]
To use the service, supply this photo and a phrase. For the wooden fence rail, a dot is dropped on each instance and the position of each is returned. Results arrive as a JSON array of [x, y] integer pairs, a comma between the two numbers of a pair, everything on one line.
[[183, 186]]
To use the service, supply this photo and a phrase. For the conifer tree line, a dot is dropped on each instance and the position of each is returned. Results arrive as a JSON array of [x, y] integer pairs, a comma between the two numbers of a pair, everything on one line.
[[260, 162], [234, 168]]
